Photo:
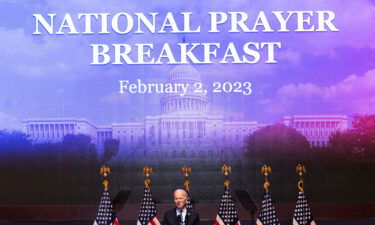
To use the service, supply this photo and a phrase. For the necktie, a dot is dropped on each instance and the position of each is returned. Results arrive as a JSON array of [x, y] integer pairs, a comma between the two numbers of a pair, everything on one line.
[[182, 218]]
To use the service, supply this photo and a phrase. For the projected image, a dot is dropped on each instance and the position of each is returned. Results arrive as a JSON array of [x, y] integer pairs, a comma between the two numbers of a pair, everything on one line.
[[169, 85]]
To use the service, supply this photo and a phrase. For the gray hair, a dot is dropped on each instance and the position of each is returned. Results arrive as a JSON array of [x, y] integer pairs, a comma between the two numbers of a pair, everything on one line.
[[179, 189]]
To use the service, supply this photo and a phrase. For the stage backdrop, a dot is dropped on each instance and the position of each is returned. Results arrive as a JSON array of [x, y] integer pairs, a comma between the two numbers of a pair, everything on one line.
[[196, 83]]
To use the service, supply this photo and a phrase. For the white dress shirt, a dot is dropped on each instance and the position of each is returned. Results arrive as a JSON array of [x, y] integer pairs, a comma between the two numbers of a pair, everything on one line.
[[182, 213]]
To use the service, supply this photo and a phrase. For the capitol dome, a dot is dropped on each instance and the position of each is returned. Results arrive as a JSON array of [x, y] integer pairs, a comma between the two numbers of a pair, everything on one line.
[[192, 101], [184, 73]]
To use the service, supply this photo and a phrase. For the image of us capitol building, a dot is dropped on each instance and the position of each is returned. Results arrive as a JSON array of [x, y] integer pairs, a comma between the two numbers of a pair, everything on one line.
[[185, 122]]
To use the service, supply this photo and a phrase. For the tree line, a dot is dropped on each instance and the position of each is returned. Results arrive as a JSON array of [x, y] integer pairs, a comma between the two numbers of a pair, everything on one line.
[[68, 171]]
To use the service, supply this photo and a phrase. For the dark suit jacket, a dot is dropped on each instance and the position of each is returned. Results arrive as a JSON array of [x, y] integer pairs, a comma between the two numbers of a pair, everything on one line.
[[170, 218]]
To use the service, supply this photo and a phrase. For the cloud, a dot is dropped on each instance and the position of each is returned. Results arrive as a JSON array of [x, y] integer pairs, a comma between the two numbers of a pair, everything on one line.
[[65, 56], [292, 56], [352, 19], [30, 56], [115, 98], [299, 90], [9, 122], [354, 94]]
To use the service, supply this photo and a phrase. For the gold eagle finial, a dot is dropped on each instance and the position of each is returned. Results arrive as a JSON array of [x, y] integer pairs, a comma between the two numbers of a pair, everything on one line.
[[147, 171], [266, 171], [300, 170], [226, 170], [186, 170], [105, 170]]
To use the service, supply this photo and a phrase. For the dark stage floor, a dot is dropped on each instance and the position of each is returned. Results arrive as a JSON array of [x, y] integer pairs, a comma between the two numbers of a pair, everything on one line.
[[288, 222]]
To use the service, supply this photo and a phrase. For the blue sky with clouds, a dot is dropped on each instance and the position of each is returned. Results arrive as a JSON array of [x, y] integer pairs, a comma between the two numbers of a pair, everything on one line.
[[317, 72]]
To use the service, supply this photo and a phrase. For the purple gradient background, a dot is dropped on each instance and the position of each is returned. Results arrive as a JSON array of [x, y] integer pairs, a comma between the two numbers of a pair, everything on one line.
[[317, 73]]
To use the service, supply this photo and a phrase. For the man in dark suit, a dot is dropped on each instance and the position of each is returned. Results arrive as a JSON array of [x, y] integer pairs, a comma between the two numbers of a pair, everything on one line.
[[181, 215]]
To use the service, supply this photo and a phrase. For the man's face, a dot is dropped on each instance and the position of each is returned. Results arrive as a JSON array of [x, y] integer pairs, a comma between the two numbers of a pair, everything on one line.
[[180, 199]]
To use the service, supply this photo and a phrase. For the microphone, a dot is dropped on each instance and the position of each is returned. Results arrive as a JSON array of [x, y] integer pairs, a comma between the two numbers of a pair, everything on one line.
[[179, 219], [187, 217]]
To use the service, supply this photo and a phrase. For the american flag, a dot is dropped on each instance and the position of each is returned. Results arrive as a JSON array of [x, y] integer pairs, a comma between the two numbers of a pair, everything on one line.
[[227, 212], [267, 214], [106, 215], [302, 213], [188, 202], [147, 213]]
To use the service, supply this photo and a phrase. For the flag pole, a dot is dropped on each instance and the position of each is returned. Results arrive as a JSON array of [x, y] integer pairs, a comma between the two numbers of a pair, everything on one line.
[[226, 170], [302, 212], [300, 170], [105, 170], [147, 171], [267, 213], [186, 170], [147, 212], [106, 204], [266, 170], [227, 213]]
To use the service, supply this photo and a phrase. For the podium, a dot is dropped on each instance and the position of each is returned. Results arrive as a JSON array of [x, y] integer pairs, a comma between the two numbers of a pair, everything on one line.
[[247, 202], [120, 199]]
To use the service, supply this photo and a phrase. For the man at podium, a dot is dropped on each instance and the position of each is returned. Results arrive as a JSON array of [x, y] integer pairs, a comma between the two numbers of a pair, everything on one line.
[[181, 215]]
